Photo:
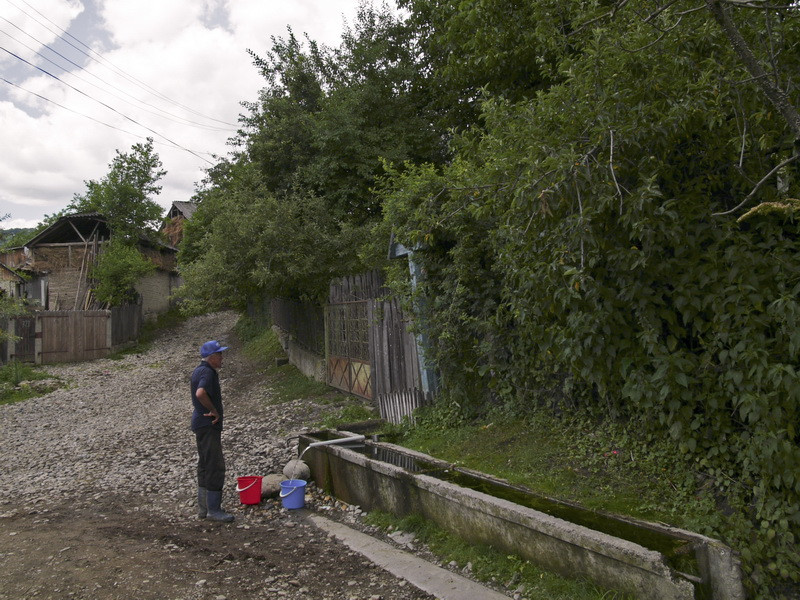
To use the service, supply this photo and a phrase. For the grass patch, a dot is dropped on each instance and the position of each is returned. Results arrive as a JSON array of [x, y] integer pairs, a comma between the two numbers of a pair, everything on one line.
[[600, 467], [285, 380], [352, 411], [15, 386], [487, 564]]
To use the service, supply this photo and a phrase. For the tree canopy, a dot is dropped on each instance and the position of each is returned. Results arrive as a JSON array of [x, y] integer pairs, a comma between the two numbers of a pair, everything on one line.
[[125, 195], [292, 206]]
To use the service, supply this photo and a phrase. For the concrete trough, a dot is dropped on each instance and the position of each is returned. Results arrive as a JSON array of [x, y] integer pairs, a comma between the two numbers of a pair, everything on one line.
[[380, 476]]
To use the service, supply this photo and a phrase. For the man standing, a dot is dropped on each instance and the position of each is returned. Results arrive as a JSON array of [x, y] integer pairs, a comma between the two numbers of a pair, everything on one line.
[[207, 427]]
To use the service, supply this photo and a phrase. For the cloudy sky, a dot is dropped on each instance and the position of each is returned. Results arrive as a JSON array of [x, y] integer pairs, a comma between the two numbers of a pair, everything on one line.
[[80, 79]]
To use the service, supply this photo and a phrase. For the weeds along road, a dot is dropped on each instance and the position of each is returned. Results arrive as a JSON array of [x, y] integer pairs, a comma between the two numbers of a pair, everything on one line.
[[97, 488]]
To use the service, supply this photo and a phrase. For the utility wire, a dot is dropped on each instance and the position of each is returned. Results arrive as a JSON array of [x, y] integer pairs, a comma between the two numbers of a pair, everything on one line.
[[176, 119], [111, 108], [19, 87], [102, 60], [80, 114]]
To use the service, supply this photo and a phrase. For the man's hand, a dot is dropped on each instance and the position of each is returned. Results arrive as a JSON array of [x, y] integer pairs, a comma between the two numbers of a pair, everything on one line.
[[205, 400], [214, 414]]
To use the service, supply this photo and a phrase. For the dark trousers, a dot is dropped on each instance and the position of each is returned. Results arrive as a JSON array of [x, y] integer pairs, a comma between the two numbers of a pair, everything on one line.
[[210, 462]]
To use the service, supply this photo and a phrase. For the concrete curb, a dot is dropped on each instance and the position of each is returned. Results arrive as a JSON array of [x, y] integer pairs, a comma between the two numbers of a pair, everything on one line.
[[434, 580]]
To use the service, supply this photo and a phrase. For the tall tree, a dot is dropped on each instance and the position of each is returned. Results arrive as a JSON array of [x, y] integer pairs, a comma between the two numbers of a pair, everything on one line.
[[125, 195], [310, 151]]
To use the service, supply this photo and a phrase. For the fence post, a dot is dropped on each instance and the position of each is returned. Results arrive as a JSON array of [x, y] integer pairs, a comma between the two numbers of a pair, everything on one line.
[[11, 347], [109, 331], [326, 343], [37, 341]]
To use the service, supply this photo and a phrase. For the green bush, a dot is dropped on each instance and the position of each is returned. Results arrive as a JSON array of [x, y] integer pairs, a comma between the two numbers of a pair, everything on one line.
[[119, 267]]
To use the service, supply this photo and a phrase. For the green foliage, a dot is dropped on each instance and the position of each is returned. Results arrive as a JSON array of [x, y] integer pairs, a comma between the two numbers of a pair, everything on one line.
[[488, 564], [292, 207], [118, 268], [571, 257], [286, 382], [13, 238], [15, 373], [9, 307], [124, 195]]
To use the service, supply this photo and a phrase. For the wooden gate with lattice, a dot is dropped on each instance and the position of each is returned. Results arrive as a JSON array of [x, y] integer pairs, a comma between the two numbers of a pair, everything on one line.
[[347, 344]]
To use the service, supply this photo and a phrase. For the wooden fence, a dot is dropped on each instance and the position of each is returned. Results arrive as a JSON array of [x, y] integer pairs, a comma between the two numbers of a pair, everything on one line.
[[47, 337], [369, 347], [305, 322], [347, 348], [126, 324]]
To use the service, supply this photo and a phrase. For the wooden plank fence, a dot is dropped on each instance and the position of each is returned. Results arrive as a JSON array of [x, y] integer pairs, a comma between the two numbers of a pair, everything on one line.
[[393, 349], [347, 347], [369, 348], [304, 321], [365, 338], [71, 335], [126, 324], [365, 286], [47, 337]]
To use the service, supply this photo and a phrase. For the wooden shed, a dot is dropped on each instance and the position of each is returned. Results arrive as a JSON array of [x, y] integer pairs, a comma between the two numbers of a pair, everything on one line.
[[59, 259]]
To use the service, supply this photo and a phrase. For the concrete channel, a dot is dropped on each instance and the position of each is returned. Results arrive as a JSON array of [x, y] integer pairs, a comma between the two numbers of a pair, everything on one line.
[[646, 560]]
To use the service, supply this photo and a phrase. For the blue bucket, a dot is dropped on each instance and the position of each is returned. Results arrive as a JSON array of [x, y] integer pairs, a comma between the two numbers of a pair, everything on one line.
[[293, 493]]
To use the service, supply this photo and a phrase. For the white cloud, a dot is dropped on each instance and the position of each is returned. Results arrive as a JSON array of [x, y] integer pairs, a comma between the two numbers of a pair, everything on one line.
[[193, 52], [35, 25]]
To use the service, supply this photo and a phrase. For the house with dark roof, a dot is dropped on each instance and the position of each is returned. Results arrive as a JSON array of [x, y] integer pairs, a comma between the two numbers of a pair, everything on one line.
[[59, 259], [10, 282], [178, 214]]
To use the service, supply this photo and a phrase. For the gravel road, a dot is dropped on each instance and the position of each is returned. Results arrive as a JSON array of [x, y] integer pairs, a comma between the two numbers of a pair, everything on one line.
[[98, 480]]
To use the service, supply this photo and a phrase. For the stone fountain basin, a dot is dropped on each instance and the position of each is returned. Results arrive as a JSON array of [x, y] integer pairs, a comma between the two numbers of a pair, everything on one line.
[[404, 482]]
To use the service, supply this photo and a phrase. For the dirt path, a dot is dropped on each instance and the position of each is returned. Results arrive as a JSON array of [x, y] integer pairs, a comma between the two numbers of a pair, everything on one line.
[[97, 487]]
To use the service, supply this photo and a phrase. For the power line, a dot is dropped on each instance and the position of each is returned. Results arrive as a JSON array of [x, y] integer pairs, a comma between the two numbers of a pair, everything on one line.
[[80, 114], [180, 119], [111, 108], [108, 64], [68, 108]]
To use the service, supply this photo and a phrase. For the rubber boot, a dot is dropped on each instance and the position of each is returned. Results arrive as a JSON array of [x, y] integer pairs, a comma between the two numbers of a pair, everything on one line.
[[202, 505], [215, 513]]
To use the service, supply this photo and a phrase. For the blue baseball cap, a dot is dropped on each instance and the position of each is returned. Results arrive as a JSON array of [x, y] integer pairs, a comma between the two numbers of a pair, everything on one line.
[[210, 348]]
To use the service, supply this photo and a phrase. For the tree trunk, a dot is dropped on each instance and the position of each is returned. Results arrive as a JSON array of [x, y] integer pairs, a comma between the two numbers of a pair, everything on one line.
[[776, 96]]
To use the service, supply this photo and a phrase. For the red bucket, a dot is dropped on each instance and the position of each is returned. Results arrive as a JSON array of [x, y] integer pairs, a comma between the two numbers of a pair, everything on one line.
[[249, 489]]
